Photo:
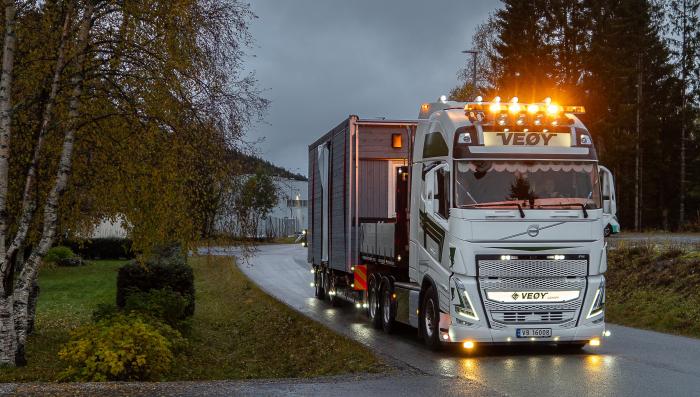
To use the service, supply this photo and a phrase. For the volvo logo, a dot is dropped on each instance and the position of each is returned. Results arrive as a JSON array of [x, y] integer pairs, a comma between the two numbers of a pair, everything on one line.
[[533, 230]]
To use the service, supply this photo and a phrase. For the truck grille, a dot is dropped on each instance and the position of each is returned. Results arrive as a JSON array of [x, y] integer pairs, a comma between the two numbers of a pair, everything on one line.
[[533, 268], [532, 273]]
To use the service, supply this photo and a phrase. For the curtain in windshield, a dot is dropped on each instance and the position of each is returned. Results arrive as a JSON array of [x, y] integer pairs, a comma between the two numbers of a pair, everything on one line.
[[533, 184]]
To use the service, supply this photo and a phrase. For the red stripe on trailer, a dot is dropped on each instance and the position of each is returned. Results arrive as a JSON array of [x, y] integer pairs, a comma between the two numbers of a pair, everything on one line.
[[360, 277]]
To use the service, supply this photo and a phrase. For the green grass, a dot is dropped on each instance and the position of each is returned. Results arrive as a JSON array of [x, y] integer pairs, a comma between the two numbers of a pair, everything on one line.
[[654, 287], [67, 298], [238, 332]]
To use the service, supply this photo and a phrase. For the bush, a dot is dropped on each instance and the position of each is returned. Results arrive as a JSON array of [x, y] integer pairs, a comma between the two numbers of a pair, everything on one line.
[[70, 262], [102, 248], [119, 348], [58, 253], [165, 305], [157, 274]]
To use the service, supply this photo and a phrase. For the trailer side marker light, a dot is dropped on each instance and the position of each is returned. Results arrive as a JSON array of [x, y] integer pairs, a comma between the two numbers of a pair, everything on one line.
[[468, 344], [607, 333], [393, 296], [594, 342]]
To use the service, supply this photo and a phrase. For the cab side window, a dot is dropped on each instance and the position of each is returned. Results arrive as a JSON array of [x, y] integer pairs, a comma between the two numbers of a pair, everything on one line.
[[442, 196]]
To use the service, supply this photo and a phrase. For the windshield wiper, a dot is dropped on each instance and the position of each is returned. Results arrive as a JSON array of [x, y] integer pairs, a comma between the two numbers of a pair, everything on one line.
[[583, 206], [520, 208]]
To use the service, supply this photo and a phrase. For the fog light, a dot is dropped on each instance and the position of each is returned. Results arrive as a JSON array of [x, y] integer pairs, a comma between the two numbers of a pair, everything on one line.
[[468, 344], [594, 342], [607, 333]]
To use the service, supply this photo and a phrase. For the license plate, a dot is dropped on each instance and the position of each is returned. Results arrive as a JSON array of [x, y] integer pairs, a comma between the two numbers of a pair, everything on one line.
[[533, 332]]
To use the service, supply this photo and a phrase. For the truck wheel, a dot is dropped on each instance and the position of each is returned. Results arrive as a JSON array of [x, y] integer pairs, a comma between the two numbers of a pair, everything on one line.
[[374, 311], [430, 319], [607, 231], [318, 285], [332, 298], [388, 308]]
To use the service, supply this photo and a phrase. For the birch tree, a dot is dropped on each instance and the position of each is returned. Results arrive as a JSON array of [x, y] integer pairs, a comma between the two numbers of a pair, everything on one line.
[[139, 99]]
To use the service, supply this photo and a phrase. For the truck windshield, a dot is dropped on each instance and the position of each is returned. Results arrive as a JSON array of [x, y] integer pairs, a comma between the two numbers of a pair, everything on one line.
[[532, 184]]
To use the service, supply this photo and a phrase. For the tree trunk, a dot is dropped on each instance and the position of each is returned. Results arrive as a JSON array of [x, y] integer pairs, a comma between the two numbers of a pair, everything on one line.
[[29, 271], [28, 202], [7, 328]]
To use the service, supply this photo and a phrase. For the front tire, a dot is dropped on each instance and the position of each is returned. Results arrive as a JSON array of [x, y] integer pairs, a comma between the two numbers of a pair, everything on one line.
[[430, 319]]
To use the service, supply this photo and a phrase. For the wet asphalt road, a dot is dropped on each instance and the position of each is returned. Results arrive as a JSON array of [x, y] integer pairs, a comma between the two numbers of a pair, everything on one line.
[[630, 363]]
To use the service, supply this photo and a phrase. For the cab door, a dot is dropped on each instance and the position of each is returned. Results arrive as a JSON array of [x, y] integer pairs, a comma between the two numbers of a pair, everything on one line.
[[607, 184]]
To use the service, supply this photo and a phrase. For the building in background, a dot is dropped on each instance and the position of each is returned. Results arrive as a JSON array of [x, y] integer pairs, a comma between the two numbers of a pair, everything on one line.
[[290, 215]]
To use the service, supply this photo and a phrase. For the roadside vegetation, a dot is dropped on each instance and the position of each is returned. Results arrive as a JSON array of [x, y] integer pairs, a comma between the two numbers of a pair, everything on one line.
[[655, 287], [237, 331]]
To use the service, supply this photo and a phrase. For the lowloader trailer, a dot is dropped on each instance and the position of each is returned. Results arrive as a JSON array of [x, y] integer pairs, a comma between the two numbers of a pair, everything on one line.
[[478, 223]]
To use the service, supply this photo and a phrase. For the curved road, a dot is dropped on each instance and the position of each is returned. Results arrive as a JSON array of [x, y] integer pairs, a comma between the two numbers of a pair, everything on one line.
[[630, 363]]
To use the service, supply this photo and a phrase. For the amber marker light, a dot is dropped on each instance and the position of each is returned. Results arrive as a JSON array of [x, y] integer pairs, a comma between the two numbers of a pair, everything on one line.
[[533, 108], [425, 107], [594, 342], [468, 345], [553, 109]]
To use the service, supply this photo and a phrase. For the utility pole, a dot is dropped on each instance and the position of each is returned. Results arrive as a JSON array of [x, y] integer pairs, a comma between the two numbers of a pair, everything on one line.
[[474, 53], [637, 173], [684, 76]]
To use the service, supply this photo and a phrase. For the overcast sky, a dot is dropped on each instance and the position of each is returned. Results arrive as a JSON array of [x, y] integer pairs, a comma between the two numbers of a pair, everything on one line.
[[322, 60]]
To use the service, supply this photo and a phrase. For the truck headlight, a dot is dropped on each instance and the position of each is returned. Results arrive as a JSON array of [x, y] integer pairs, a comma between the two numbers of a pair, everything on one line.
[[464, 307], [598, 305]]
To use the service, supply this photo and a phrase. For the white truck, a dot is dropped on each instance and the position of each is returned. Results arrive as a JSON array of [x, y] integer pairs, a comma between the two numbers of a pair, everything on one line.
[[478, 223]]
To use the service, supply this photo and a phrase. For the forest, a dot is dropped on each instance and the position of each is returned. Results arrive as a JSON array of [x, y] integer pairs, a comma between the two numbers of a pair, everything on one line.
[[633, 64]]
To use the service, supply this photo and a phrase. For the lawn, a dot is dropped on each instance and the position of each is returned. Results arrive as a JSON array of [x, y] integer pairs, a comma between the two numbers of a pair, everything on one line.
[[238, 332], [654, 287]]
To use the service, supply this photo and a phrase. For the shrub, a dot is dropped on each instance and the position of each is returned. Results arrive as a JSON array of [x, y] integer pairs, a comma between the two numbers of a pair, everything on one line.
[[102, 248], [57, 253], [157, 274], [70, 262], [165, 304], [124, 347]]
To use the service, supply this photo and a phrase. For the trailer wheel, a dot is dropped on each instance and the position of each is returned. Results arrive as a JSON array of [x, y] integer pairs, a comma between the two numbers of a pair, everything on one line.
[[332, 291], [320, 292], [430, 319], [374, 311], [388, 306]]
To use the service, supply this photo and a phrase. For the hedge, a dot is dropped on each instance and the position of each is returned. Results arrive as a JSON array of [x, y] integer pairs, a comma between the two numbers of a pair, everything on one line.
[[157, 273], [102, 248]]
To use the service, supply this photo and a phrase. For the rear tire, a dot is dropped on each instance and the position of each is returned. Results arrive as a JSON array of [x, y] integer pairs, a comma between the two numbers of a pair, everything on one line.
[[318, 285], [374, 310], [430, 319], [332, 298], [388, 306]]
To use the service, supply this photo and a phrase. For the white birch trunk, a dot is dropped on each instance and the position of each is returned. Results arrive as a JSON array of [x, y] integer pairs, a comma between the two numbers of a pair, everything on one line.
[[8, 340], [28, 203], [29, 271]]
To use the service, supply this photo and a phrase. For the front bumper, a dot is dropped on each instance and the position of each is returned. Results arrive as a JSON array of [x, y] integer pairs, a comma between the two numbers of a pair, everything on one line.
[[583, 333]]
